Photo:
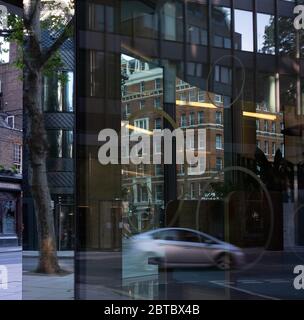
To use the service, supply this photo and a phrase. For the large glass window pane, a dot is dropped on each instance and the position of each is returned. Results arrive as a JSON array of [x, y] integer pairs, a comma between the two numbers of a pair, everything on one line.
[[138, 19], [125, 210], [221, 27], [266, 92], [197, 17], [287, 40], [265, 33], [243, 22], [172, 21], [58, 92], [61, 143]]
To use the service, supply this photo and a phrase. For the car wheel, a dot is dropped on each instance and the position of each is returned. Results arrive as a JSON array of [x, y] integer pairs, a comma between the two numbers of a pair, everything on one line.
[[224, 261]]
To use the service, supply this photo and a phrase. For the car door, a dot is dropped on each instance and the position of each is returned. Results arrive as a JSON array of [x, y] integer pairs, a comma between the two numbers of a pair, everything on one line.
[[169, 245], [190, 248]]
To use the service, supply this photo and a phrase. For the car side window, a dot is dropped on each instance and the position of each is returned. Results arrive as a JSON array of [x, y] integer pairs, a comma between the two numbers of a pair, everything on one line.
[[169, 235], [188, 236], [207, 240]]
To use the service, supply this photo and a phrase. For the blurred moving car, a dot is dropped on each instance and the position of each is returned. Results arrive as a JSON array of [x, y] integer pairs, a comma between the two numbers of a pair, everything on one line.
[[180, 247]]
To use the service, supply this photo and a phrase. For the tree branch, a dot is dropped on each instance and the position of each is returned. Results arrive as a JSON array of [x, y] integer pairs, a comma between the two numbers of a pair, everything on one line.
[[47, 54]]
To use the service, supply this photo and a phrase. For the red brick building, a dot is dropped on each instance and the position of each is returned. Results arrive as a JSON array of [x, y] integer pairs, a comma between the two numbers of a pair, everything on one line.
[[10, 147], [142, 104]]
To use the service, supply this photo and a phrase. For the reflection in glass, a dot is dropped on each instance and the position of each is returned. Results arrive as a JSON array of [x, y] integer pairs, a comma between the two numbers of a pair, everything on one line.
[[58, 92], [265, 33], [197, 17], [266, 93], [287, 39], [144, 196], [138, 19], [221, 26], [61, 143], [243, 22], [8, 217]]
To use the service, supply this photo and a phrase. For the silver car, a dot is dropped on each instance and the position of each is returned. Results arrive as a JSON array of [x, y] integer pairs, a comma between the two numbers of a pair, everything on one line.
[[180, 247]]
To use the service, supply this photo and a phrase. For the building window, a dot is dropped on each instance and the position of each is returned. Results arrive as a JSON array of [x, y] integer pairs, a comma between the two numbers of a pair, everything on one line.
[[192, 191], [192, 119], [10, 120], [159, 192], [266, 126], [266, 145], [158, 123], [218, 142], [96, 20], [265, 33], [259, 144], [191, 143], [201, 96], [218, 117], [142, 193], [221, 26], [243, 21], [181, 169], [61, 143], [127, 110], [159, 170], [273, 149], [157, 103], [192, 96], [183, 97], [142, 123], [157, 84], [58, 94], [258, 124], [273, 126], [219, 164], [222, 74], [141, 104], [183, 120], [142, 86], [200, 117], [8, 217], [157, 148], [282, 149], [18, 157], [124, 90], [266, 88], [218, 98]]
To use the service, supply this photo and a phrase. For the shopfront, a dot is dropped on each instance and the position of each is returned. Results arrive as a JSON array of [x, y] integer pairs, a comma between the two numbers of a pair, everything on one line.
[[219, 75], [10, 214]]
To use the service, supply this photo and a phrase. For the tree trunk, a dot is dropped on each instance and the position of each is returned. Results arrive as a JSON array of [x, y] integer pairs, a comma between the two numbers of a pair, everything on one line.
[[36, 140], [38, 146]]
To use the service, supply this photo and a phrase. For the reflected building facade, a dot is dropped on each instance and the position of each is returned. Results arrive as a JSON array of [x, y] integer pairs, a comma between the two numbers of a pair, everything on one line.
[[222, 66]]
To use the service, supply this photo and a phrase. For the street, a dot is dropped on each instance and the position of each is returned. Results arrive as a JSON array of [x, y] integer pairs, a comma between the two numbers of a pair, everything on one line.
[[271, 278]]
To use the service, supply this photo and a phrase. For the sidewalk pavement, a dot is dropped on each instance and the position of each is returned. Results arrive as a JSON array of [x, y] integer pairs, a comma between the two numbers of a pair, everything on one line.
[[43, 287]]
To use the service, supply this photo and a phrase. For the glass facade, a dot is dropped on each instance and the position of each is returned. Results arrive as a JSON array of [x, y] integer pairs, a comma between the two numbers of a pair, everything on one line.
[[189, 120]]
